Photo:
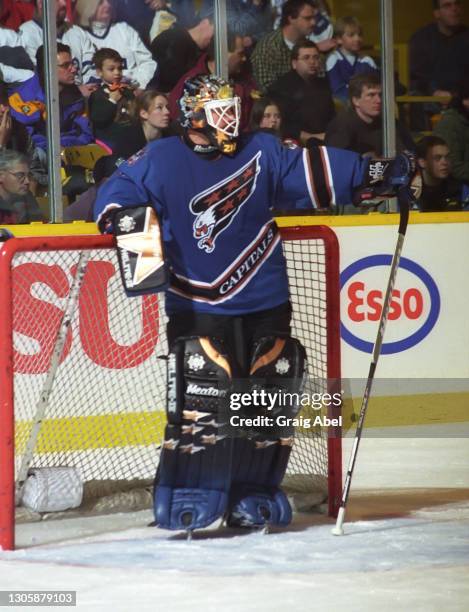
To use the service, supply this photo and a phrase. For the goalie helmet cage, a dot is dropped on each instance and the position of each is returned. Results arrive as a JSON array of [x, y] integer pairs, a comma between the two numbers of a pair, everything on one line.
[[104, 413]]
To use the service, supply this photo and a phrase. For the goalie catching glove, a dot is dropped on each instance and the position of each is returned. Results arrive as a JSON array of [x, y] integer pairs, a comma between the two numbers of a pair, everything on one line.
[[384, 177]]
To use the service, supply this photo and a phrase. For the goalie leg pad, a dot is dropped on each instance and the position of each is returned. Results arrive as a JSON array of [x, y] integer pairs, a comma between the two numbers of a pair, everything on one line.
[[195, 465], [278, 366]]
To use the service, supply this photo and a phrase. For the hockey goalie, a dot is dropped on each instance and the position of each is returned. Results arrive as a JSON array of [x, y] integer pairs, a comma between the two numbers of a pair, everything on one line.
[[193, 217]]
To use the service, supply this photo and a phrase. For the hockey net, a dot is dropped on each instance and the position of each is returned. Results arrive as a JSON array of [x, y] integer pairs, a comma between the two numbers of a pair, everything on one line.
[[105, 407]]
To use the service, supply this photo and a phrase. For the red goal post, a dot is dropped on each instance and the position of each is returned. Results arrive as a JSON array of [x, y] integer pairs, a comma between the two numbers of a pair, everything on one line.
[[104, 412]]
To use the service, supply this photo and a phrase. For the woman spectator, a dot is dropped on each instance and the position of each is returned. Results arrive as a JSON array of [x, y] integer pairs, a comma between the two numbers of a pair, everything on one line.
[[454, 129], [152, 110], [97, 17], [266, 115]]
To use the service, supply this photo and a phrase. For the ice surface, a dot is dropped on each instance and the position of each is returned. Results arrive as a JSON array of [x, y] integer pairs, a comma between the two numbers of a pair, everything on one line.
[[402, 550]]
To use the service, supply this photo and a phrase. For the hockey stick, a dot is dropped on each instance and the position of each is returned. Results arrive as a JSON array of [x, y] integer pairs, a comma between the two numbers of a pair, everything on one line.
[[43, 402], [404, 202]]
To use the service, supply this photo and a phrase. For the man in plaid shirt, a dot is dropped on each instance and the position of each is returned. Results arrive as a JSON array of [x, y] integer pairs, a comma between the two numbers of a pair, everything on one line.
[[271, 57]]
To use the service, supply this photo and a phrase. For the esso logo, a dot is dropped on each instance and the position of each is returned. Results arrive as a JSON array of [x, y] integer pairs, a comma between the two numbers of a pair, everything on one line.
[[413, 312]]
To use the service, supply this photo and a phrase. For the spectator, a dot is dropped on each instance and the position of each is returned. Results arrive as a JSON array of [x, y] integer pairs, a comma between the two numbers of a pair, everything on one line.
[[454, 129], [346, 61], [184, 10], [267, 116], [271, 57], [243, 83], [17, 203], [305, 97], [323, 30], [152, 110], [110, 106], [163, 18], [178, 49], [15, 136], [440, 190], [29, 104], [359, 128], [81, 49], [138, 14], [98, 19], [15, 64], [82, 208], [14, 12], [251, 19], [439, 51]]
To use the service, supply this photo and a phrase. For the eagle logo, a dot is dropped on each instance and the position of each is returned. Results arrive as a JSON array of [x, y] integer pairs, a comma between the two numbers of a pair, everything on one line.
[[216, 207]]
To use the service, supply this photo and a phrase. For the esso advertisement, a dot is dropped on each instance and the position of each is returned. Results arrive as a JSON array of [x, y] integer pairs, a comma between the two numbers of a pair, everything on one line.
[[414, 307]]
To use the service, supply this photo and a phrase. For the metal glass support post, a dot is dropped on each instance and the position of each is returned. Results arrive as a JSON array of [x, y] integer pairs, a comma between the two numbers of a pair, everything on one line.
[[54, 188], [221, 39], [387, 72]]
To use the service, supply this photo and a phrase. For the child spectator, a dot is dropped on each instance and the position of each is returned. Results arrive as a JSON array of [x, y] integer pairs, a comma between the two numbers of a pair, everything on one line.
[[346, 61], [111, 105], [98, 18], [440, 190]]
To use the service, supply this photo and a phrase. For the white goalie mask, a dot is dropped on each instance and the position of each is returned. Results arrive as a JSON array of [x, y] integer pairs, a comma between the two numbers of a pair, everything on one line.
[[223, 115], [208, 105]]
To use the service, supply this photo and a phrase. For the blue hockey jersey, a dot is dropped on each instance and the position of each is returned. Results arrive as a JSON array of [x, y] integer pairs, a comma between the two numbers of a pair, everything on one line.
[[341, 66], [220, 238]]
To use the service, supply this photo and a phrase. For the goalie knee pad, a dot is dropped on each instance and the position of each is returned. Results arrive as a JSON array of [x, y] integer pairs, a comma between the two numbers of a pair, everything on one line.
[[278, 366], [195, 465]]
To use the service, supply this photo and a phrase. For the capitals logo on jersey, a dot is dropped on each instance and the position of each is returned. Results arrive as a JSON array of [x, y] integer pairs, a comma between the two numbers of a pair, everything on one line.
[[216, 207]]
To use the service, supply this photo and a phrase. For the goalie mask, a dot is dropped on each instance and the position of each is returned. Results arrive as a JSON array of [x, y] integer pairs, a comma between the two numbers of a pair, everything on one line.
[[209, 106]]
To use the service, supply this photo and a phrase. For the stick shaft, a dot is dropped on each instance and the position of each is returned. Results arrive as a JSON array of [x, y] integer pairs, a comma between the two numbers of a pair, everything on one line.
[[404, 216], [43, 401]]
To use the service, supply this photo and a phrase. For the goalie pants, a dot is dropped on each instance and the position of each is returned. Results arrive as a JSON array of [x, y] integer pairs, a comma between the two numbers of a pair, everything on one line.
[[238, 333]]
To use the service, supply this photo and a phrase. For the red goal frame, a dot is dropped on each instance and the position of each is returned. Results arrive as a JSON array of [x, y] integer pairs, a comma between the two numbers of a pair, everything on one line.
[[80, 242]]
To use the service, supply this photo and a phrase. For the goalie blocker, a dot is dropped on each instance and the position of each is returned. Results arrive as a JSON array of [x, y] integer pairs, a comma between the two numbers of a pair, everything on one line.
[[140, 250]]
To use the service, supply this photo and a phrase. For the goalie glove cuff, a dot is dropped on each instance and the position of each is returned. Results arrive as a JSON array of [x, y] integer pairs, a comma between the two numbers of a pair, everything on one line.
[[385, 176]]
